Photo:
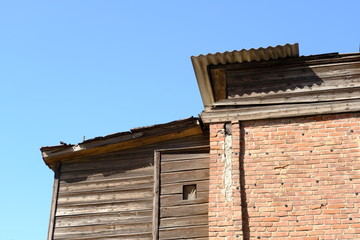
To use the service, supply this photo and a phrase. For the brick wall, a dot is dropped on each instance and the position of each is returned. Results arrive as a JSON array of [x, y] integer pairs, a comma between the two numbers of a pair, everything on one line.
[[224, 195], [296, 178]]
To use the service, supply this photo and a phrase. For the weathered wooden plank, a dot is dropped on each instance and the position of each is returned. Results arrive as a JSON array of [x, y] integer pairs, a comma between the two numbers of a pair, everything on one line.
[[300, 85], [184, 176], [184, 221], [126, 162], [184, 232], [181, 165], [177, 199], [308, 96], [275, 73], [88, 197], [278, 79], [177, 188], [104, 218], [103, 236], [91, 175], [80, 154], [54, 199], [165, 157], [106, 185], [280, 111], [123, 228], [180, 211], [156, 204], [218, 82], [106, 236], [99, 207]]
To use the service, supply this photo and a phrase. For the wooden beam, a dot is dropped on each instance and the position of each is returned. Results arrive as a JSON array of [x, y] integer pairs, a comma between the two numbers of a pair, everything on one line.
[[279, 111], [54, 202], [156, 206]]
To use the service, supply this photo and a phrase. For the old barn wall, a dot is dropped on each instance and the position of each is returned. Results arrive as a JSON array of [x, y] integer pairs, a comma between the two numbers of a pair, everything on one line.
[[111, 196]]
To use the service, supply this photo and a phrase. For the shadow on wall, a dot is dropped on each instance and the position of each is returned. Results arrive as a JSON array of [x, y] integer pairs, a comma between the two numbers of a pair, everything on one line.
[[244, 205], [276, 79]]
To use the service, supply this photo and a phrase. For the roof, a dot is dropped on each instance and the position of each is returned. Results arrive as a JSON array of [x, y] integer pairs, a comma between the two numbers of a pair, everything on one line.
[[201, 63], [119, 141]]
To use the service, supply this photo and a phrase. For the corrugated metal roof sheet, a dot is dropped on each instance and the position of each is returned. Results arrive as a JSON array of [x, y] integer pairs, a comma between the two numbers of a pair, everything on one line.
[[201, 62]]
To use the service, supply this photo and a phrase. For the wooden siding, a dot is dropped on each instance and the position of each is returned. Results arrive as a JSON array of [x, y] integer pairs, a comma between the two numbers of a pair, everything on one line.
[[110, 196], [179, 218], [320, 84], [277, 84]]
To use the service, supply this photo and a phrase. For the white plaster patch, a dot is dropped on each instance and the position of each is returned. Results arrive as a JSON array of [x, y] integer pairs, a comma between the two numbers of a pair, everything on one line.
[[227, 174]]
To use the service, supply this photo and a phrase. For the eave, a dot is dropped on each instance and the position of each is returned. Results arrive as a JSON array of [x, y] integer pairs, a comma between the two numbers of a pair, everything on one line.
[[137, 137], [201, 64]]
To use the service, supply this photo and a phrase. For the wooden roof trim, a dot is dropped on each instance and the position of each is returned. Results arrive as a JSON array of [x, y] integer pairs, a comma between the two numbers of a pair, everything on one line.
[[201, 63], [148, 135], [280, 111]]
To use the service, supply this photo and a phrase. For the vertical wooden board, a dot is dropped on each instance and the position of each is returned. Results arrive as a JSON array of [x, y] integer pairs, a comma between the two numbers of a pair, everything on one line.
[[52, 223]]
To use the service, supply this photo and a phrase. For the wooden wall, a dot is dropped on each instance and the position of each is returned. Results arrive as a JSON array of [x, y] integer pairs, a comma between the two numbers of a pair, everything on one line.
[[110, 196], [290, 87], [302, 82], [179, 217]]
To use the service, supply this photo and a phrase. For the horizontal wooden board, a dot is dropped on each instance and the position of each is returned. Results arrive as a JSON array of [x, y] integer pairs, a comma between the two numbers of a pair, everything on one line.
[[309, 96], [108, 174], [184, 176], [180, 211], [121, 162], [113, 206], [183, 156], [177, 199], [280, 111], [184, 221], [106, 185], [103, 218], [181, 165], [92, 197], [118, 235], [96, 229], [177, 188], [184, 232]]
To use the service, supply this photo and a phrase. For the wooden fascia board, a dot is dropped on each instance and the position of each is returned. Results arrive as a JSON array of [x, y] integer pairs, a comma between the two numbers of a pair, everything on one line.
[[203, 80], [78, 152], [279, 111]]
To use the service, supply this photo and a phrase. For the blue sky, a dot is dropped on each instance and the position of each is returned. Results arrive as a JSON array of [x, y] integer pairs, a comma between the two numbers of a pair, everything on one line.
[[70, 69]]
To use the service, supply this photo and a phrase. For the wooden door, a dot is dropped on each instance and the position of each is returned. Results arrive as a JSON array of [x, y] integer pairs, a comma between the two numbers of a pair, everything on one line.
[[182, 194]]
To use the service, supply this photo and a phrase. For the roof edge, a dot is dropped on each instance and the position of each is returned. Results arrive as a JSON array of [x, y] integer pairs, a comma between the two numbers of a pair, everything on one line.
[[134, 138], [201, 63]]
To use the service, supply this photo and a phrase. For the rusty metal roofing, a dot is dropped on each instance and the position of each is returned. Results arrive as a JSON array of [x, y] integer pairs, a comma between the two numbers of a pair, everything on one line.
[[201, 63]]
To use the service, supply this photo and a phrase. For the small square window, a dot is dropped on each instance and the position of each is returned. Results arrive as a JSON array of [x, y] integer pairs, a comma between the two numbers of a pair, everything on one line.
[[189, 192]]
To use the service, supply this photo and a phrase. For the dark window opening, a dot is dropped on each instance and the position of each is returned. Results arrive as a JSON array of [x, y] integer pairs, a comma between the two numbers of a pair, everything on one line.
[[189, 192]]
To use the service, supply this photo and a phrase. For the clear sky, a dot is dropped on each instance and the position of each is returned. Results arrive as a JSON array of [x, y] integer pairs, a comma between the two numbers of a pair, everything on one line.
[[75, 68]]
